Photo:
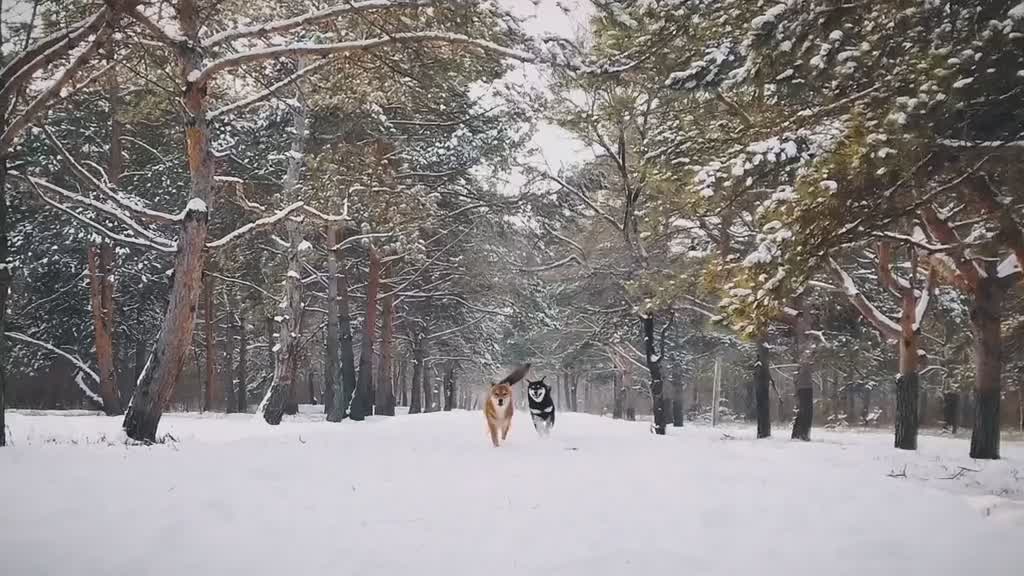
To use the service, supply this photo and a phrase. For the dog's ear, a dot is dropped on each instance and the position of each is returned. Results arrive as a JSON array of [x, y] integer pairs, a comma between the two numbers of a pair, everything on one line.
[[541, 381]]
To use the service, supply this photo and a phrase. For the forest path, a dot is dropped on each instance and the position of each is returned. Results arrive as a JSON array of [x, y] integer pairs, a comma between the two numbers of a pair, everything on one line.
[[428, 495]]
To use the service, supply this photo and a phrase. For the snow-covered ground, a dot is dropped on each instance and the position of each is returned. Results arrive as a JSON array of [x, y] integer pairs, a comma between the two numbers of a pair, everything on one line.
[[428, 495]]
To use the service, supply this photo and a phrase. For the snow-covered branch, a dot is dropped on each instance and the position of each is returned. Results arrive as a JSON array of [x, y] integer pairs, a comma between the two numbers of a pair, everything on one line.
[[924, 300], [22, 121], [586, 200], [203, 76], [57, 46], [881, 322], [82, 366], [968, 273], [255, 225], [85, 175], [343, 8], [450, 331], [270, 91], [150, 238], [551, 266], [34, 183]]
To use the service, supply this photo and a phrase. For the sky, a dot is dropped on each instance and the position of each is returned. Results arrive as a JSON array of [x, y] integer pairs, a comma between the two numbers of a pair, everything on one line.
[[566, 18]]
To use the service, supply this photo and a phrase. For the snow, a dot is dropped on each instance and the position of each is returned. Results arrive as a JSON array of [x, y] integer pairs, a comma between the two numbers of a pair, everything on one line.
[[1008, 267], [1017, 12], [195, 205], [428, 495]]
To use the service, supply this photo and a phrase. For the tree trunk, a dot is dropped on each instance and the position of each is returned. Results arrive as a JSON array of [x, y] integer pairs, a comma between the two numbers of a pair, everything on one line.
[[428, 395], [101, 282], [986, 315], [153, 391], [164, 366], [346, 357], [285, 352], [762, 381], [310, 386], [385, 393], [908, 383], [331, 373], [617, 400], [210, 336], [416, 385], [803, 383], [678, 397], [653, 360], [362, 403], [629, 409], [5, 283], [449, 387], [242, 394], [228, 372]]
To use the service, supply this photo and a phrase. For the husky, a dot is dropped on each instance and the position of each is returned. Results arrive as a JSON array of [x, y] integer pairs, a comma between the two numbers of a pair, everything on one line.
[[542, 408], [498, 408]]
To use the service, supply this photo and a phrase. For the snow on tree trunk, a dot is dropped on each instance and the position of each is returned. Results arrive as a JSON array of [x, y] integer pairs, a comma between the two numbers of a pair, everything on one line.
[[986, 316], [285, 361], [209, 335], [385, 404], [362, 401], [331, 373], [653, 360], [415, 388], [101, 288], [908, 382], [762, 381]]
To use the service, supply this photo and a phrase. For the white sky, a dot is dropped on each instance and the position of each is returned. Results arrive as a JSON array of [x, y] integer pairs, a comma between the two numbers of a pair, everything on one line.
[[569, 19]]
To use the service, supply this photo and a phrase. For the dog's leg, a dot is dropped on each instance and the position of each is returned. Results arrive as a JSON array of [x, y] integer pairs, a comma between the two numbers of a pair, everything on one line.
[[504, 430], [494, 433]]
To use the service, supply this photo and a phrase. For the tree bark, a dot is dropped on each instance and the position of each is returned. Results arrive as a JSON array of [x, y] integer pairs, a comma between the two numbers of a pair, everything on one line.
[[986, 315], [449, 386], [153, 391], [762, 381], [415, 388], [164, 367], [653, 360], [617, 401], [242, 394], [803, 383], [678, 397], [5, 282], [210, 336], [331, 373], [428, 394], [228, 373], [285, 352], [362, 403], [385, 394], [346, 357], [101, 287]]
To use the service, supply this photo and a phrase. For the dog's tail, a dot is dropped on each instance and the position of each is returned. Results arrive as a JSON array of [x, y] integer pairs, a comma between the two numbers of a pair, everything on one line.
[[516, 374]]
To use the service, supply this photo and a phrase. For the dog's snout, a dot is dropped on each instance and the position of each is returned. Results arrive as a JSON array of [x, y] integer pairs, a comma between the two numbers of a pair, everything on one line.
[[501, 401]]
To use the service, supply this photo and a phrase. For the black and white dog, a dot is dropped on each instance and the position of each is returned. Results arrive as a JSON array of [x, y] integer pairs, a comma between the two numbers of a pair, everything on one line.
[[542, 408]]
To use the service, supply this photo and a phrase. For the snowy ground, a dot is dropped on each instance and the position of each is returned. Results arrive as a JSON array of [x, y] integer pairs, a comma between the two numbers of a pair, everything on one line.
[[428, 495]]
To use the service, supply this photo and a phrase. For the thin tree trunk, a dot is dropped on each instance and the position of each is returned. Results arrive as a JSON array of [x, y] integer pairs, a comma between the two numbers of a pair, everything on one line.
[[285, 353], [165, 364], [385, 392], [678, 396], [986, 315], [617, 403], [803, 383], [762, 381], [653, 360], [210, 335], [242, 374], [5, 283], [362, 403], [228, 373], [346, 357], [428, 396], [449, 387], [415, 388], [100, 285], [331, 373]]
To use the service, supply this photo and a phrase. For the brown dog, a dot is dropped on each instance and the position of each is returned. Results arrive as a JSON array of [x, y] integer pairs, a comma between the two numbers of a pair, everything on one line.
[[498, 408]]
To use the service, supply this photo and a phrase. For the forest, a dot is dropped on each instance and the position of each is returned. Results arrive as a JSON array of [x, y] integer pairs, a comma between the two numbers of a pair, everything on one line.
[[798, 213]]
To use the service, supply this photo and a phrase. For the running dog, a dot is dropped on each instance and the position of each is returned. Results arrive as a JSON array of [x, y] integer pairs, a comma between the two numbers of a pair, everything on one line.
[[542, 408], [498, 408]]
